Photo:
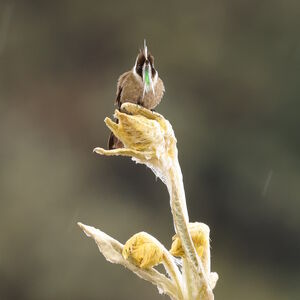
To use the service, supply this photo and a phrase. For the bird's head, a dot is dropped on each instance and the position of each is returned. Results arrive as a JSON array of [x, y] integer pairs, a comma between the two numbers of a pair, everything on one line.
[[144, 68]]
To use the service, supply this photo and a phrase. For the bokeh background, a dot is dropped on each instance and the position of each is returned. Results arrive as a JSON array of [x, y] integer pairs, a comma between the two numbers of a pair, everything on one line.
[[231, 71]]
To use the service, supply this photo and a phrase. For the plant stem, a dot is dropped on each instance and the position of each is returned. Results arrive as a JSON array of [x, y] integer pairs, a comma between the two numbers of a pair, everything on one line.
[[174, 273], [181, 220]]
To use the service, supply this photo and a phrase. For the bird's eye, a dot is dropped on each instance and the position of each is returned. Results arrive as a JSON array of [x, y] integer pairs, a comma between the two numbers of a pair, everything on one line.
[[139, 69]]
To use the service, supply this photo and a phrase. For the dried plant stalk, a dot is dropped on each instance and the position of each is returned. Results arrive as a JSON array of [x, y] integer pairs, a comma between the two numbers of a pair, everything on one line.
[[149, 139]]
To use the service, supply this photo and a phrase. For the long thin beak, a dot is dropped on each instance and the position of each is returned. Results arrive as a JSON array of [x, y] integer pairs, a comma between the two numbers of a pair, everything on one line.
[[145, 49]]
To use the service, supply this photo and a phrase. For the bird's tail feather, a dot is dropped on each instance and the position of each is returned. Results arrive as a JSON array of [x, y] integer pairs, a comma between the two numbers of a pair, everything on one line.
[[114, 142]]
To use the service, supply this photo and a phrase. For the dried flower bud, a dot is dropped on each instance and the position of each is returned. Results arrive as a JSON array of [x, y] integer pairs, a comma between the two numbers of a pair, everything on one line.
[[147, 137], [143, 251], [200, 236]]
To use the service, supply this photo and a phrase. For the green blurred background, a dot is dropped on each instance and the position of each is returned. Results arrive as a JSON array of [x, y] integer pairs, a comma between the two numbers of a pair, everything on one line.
[[231, 71]]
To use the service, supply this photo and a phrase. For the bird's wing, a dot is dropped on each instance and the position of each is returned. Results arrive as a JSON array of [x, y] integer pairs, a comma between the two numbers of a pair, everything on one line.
[[120, 85]]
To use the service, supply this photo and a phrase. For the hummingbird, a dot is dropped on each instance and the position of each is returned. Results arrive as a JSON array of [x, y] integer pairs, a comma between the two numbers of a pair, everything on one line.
[[140, 85]]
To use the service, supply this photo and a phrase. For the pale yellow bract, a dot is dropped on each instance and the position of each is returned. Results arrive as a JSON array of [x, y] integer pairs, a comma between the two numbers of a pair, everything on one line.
[[143, 251], [200, 236], [149, 139]]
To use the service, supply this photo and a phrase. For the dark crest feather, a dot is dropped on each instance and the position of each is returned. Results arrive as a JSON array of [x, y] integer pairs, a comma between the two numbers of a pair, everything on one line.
[[141, 59]]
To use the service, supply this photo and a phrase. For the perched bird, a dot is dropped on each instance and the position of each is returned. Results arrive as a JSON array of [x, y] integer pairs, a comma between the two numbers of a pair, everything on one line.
[[141, 85]]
